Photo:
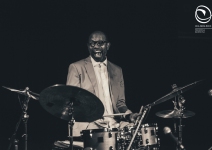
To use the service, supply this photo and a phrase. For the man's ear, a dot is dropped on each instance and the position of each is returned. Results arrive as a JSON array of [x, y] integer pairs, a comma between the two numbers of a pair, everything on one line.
[[108, 45]]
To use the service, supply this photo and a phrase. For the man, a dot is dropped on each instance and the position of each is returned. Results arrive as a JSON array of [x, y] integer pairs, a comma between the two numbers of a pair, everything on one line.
[[102, 78]]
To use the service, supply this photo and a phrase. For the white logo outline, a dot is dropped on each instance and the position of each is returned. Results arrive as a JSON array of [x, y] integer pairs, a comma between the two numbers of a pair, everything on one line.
[[202, 20]]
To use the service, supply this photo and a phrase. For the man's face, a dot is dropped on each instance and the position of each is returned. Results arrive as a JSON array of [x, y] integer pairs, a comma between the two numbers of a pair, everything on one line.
[[98, 46]]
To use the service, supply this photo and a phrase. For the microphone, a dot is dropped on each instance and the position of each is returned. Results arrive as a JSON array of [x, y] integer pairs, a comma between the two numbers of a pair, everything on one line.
[[167, 131], [210, 92]]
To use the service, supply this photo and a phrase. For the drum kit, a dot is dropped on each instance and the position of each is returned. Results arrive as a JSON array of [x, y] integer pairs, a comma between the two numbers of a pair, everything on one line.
[[72, 104]]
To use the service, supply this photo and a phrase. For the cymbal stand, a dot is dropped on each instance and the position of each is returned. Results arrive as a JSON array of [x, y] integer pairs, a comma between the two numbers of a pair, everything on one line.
[[70, 126], [181, 101], [24, 117], [146, 108], [175, 108]]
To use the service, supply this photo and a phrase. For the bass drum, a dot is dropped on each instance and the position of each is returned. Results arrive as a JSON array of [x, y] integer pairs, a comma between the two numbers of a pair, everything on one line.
[[100, 139]]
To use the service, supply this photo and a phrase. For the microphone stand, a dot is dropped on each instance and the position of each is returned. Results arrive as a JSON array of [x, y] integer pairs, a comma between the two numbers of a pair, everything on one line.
[[24, 117]]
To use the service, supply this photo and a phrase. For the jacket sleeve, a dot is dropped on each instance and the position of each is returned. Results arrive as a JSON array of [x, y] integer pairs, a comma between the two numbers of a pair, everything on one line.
[[73, 77], [121, 103]]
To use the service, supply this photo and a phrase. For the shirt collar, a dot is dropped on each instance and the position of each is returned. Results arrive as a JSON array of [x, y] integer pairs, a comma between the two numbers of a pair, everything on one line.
[[97, 63]]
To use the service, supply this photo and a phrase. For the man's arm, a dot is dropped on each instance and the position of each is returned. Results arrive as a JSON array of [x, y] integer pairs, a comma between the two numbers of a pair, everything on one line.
[[121, 103], [73, 77]]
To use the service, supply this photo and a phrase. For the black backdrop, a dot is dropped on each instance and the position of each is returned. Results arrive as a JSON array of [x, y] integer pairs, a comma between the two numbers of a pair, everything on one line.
[[154, 43]]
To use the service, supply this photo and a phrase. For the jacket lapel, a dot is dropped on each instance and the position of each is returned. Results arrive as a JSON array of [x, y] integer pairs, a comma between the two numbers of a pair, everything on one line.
[[91, 74]]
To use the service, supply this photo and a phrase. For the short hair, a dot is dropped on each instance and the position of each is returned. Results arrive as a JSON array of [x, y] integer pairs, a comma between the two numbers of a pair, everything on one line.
[[97, 31]]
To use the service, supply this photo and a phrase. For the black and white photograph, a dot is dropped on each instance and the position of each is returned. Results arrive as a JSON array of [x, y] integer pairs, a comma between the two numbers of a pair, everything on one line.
[[106, 75]]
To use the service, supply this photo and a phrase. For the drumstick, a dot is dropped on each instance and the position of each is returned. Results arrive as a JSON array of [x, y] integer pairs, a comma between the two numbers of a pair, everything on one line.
[[120, 114], [136, 129], [138, 116]]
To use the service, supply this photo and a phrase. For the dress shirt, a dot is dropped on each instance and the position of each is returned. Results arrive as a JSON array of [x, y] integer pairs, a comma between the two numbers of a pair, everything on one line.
[[100, 69]]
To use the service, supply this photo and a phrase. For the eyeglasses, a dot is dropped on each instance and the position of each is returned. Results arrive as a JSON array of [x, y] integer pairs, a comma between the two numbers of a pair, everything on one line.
[[99, 43]]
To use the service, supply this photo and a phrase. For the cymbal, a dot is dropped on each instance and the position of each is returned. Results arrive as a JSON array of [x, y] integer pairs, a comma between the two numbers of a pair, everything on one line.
[[175, 114], [57, 99], [175, 92], [31, 94]]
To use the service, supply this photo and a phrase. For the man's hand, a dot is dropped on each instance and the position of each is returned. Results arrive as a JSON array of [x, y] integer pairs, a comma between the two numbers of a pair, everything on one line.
[[133, 117]]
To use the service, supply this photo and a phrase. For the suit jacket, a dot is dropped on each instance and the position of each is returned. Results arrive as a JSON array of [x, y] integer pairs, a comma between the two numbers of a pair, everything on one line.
[[81, 74]]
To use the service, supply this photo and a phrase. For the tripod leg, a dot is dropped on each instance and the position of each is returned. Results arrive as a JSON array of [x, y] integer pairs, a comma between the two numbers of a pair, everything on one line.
[[13, 138]]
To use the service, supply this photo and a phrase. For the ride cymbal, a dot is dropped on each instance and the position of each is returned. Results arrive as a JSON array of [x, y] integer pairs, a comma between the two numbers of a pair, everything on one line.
[[57, 100]]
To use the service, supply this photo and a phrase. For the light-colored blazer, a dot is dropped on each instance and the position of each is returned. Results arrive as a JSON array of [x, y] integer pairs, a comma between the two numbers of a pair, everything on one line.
[[81, 74]]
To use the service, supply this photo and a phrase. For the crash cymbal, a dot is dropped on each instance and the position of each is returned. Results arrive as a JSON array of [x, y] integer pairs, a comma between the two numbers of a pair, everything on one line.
[[175, 92], [175, 114], [57, 100]]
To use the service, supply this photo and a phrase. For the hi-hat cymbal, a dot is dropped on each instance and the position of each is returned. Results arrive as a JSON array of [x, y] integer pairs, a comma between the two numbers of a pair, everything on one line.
[[25, 92], [57, 100], [175, 114], [177, 91]]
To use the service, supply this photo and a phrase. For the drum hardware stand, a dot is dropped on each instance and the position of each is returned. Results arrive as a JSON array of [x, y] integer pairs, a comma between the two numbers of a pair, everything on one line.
[[181, 101], [70, 125], [139, 123], [24, 117], [175, 108]]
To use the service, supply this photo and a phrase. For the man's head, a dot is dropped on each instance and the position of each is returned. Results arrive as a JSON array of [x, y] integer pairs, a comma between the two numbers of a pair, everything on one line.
[[98, 46]]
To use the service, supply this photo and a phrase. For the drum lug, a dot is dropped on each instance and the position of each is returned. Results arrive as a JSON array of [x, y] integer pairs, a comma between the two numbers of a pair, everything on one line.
[[145, 130], [158, 141], [111, 148], [91, 134], [110, 134], [156, 127], [147, 141]]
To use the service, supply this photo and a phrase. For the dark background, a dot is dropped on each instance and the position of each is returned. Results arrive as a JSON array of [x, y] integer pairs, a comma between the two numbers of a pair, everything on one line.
[[153, 41]]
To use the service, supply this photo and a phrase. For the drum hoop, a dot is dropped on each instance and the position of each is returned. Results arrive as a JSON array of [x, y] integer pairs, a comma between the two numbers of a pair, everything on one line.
[[149, 125], [99, 130]]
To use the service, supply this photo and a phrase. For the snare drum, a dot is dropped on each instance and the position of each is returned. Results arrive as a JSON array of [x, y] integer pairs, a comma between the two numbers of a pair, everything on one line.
[[100, 139]]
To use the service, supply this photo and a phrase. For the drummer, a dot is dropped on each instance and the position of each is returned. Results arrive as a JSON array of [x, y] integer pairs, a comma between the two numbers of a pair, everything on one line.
[[101, 77]]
